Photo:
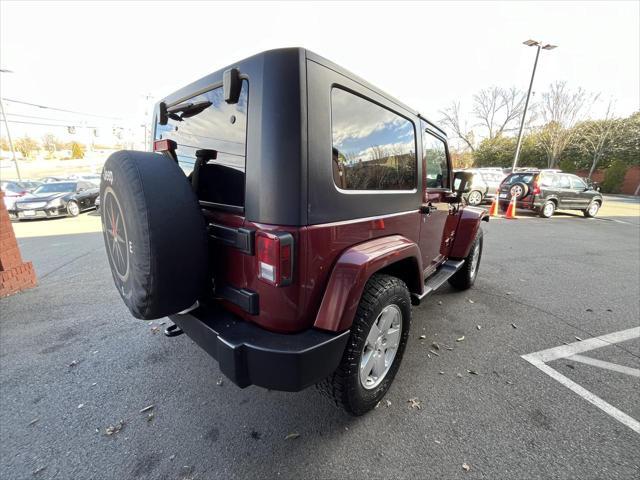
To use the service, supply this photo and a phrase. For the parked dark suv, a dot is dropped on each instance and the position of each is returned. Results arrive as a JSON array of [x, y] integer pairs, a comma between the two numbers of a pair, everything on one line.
[[290, 216], [545, 191]]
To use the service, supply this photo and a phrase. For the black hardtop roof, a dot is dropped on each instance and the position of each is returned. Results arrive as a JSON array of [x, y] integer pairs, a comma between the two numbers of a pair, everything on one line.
[[180, 95]]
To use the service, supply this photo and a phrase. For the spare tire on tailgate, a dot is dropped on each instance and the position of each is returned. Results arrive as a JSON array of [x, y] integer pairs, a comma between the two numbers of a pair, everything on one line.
[[154, 233]]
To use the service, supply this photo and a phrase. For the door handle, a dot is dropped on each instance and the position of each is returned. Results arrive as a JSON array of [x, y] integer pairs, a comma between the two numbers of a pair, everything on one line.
[[427, 209]]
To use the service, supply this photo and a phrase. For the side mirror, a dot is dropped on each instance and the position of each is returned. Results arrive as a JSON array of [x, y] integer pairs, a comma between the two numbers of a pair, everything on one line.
[[462, 183]]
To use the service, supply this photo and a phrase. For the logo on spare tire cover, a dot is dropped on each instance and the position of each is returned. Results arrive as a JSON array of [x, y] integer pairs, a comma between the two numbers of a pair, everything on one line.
[[115, 232]]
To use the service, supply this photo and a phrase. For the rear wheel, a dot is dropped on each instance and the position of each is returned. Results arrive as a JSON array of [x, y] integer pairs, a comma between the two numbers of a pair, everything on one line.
[[548, 209], [474, 198], [592, 210], [378, 338], [466, 276]]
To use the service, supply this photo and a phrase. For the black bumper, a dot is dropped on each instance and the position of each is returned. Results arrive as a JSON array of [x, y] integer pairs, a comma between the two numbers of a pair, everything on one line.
[[250, 355]]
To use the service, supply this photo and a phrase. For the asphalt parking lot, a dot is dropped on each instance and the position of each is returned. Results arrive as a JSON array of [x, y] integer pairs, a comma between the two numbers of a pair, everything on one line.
[[76, 371]]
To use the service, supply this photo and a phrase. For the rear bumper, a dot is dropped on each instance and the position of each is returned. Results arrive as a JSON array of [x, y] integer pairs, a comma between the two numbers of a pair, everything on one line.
[[250, 355]]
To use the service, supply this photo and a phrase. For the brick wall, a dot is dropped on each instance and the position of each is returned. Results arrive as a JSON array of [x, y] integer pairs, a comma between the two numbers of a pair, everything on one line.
[[15, 275], [630, 185]]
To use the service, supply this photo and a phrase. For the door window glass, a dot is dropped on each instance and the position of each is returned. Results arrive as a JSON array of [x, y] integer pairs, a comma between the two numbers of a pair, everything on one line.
[[577, 183], [434, 154]]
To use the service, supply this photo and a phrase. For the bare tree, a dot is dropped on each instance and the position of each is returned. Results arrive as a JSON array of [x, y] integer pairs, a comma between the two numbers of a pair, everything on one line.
[[596, 135], [498, 108], [561, 108], [451, 119]]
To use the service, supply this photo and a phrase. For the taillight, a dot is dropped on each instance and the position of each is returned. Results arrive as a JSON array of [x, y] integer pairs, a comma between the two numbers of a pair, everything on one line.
[[164, 146], [275, 257], [536, 187]]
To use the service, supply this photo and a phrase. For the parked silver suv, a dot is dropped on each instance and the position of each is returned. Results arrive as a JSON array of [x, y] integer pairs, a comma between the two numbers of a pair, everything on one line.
[[484, 186]]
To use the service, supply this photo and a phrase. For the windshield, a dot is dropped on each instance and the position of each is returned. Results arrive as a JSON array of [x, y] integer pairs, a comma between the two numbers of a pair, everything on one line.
[[56, 188]]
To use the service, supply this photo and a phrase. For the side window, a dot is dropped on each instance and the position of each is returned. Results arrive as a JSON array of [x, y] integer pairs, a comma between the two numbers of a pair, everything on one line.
[[434, 154], [562, 181], [373, 148], [577, 183], [546, 180]]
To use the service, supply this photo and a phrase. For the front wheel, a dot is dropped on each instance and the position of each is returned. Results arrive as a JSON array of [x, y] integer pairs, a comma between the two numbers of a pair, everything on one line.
[[466, 276], [592, 210], [378, 338], [73, 209]]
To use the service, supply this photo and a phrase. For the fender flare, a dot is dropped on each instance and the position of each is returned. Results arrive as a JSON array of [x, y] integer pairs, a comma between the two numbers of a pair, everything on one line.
[[468, 225], [353, 269]]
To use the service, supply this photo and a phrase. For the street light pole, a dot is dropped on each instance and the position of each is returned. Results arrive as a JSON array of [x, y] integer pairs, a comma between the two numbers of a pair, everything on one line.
[[6, 125], [529, 43]]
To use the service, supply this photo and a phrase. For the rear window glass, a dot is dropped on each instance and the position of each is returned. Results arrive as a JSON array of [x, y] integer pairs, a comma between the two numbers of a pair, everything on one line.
[[221, 127], [519, 178], [373, 148]]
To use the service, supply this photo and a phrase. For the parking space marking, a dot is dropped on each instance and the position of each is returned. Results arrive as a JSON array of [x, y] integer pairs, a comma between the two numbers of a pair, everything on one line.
[[634, 372], [540, 359]]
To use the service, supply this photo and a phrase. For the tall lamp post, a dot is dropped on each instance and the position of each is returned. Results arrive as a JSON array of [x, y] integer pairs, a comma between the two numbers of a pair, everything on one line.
[[6, 125], [539, 46]]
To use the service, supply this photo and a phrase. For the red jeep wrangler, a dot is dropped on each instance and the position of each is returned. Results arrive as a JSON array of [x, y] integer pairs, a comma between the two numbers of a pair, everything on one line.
[[289, 217]]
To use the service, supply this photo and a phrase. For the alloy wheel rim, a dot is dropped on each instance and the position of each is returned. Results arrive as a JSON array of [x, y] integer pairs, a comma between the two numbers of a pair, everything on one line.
[[381, 347], [475, 198], [73, 208], [474, 259], [548, 209], [593, 209]]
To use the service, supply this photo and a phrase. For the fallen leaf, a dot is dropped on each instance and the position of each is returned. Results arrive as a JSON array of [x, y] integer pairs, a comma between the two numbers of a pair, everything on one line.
[[435, 346], [439, 302], [461, 339], [578, 338], [459, 375], [509, 293], [74, 363], [388, 403], [147, 408], [154, 330], [150, 417], [422, 337], [33, 422], [478, 327], [438, 442], [470, 301], [448, 347], [220, 382], [472, 372], [81, 405], [466, 467], [441, 373], [436, 354], [377, 405], [589, 310], [113, 429], [609, 310], [292, 436], [414, 403], [172, 456], [38, 470], [514, 325]]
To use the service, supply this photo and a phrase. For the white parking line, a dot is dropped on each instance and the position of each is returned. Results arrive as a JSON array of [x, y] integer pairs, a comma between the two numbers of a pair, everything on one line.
[[539, 359], [634, 372]]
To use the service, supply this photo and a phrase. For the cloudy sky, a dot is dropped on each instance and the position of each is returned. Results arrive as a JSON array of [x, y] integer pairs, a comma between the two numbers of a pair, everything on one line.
[[103, 58]]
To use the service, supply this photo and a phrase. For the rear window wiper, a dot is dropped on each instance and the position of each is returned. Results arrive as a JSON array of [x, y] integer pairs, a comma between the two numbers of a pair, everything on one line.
[[185, 110]]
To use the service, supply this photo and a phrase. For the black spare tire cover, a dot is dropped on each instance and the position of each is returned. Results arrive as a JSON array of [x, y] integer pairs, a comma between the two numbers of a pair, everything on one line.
[[154, 233]]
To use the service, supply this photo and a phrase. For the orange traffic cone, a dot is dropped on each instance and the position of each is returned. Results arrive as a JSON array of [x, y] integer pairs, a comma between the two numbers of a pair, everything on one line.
[[493, 210], [511, 211]]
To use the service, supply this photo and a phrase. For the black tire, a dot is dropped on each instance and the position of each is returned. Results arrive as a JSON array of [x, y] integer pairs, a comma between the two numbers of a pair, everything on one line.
[[548, 209], [73, 209], [592, 210], [154, 233], [466, 276], [344, 386]]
